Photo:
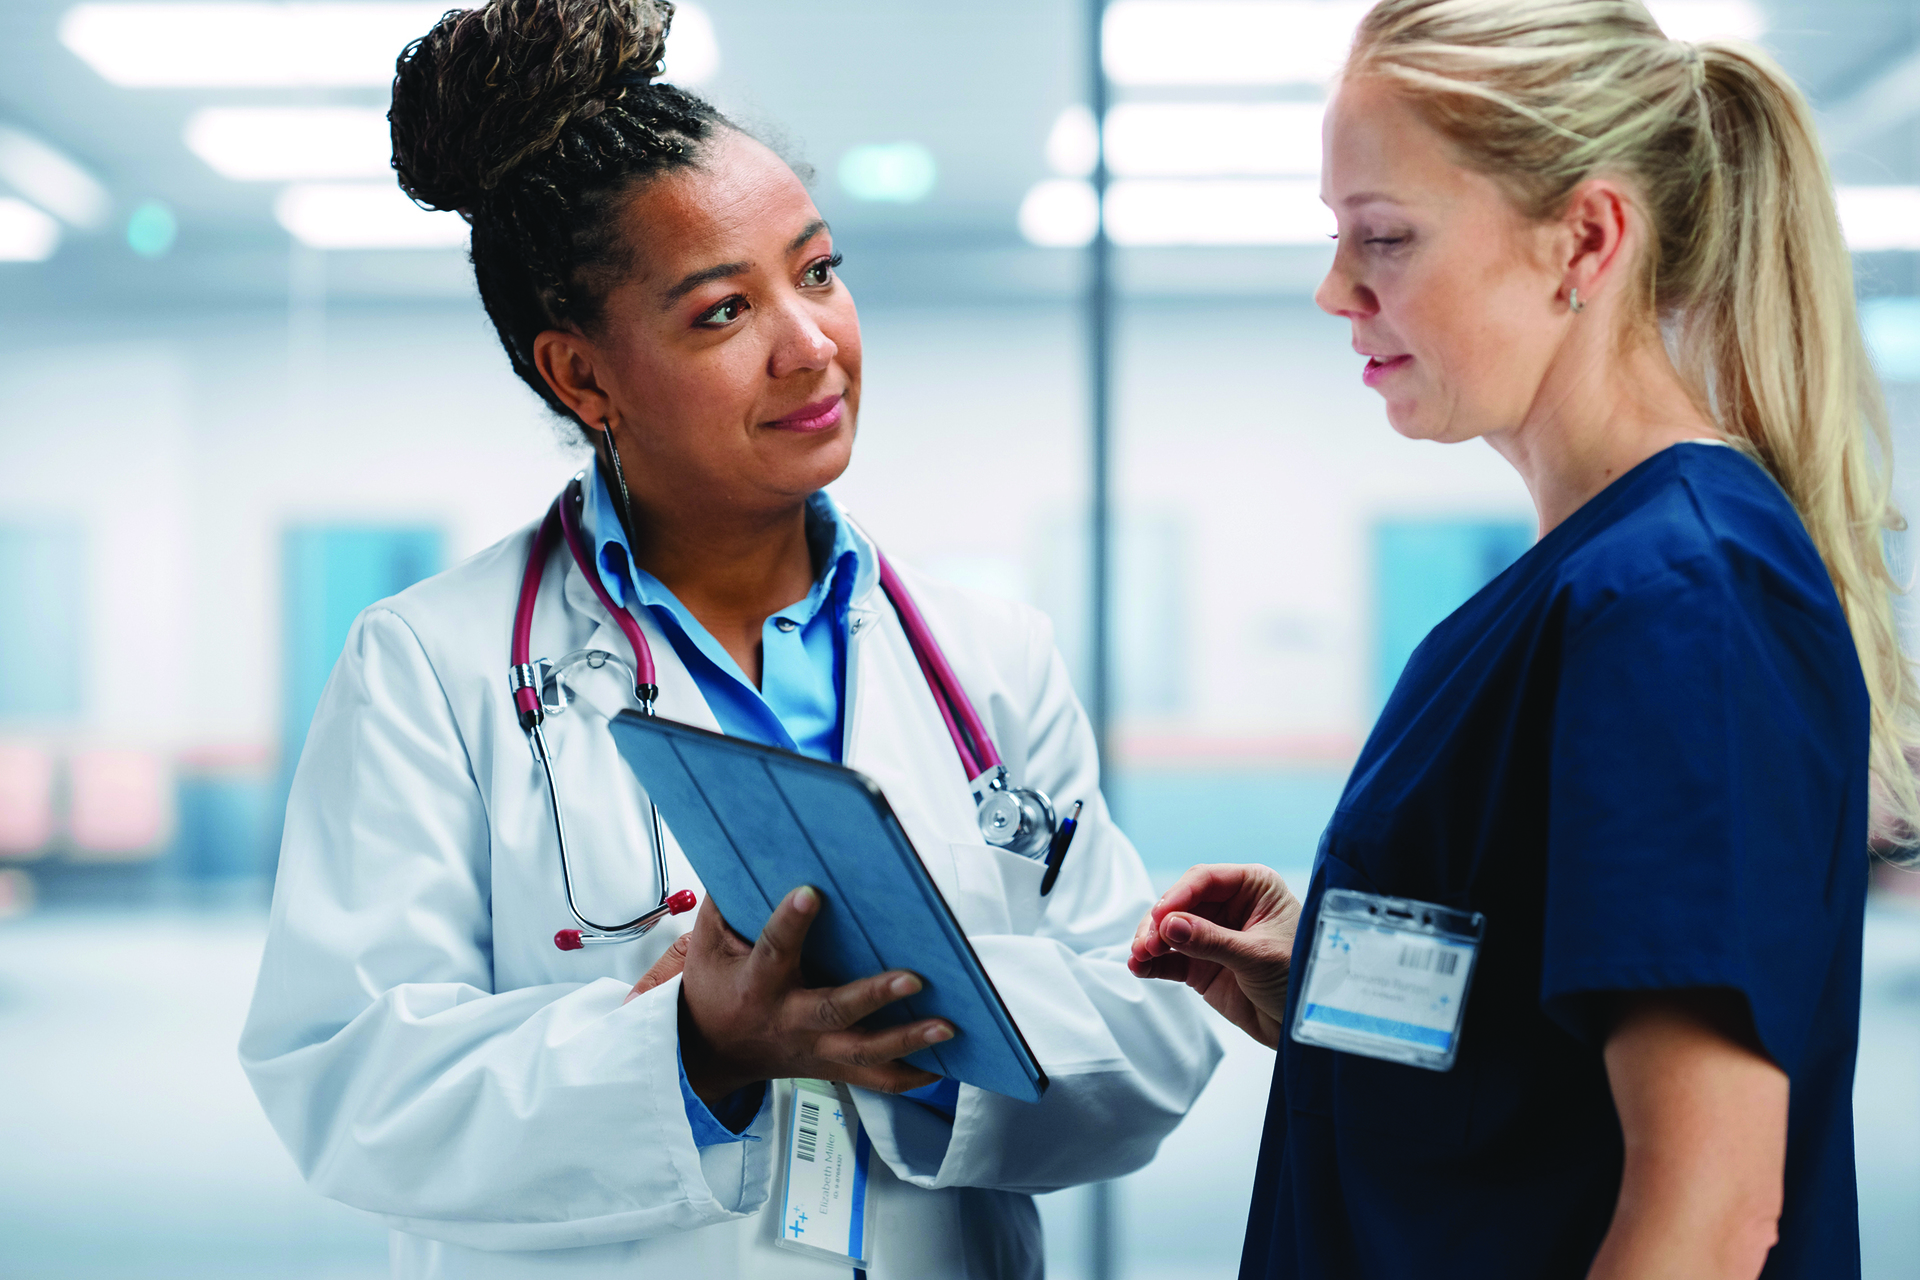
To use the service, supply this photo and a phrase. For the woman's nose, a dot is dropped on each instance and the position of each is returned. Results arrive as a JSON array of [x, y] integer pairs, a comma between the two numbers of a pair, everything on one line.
[[1341, 295], [802, 344]]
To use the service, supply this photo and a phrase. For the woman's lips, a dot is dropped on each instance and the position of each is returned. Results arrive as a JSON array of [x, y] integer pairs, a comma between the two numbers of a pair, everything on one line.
[[818, 416], [1378, 367]]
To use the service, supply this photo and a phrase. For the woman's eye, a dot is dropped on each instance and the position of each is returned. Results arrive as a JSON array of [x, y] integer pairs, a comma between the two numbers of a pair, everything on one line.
[[726, 313], [1387, 241], [821, 271]]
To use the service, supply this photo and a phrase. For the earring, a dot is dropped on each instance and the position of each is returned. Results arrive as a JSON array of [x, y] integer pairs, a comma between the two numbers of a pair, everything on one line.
[[1573, 301], [619, 476]]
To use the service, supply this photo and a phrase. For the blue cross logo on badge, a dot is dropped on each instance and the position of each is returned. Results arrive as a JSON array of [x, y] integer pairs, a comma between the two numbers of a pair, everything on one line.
[[799, 1224], [837, 1115]]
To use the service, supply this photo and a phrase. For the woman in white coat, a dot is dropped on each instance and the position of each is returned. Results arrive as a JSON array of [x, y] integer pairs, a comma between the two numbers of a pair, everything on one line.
[[422, 1047]]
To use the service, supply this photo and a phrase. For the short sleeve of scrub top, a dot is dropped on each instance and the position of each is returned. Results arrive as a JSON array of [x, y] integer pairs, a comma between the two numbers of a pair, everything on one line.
[[1687, 812]]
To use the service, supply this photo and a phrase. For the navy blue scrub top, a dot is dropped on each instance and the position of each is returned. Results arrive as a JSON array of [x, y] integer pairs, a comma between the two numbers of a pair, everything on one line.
[[1642, 753]]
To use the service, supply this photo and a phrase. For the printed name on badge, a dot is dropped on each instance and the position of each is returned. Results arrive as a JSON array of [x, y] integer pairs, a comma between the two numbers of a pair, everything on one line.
[[824, 1204], [1388, 977]]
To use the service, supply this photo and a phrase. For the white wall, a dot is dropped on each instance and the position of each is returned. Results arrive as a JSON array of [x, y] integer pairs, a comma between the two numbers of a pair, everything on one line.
[[1244, 436], [1243, 428]]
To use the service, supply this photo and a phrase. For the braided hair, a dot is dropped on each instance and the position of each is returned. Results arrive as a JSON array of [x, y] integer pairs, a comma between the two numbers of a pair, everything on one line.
[[533, 119]]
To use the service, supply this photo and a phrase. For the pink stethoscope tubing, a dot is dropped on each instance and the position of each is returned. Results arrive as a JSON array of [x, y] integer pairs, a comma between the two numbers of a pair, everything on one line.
[[978, 755]]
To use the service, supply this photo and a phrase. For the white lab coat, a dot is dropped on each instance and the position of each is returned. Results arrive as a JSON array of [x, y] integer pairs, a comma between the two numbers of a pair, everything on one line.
[[428, 1055]]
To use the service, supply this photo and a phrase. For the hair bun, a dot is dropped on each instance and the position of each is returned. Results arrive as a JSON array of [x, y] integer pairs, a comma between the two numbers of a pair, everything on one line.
[[489, 88]]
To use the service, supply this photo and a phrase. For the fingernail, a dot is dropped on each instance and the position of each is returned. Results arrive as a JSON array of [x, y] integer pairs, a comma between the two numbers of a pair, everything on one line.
[[1177, 929], [905, 985], [936, 1034], [804, 898]]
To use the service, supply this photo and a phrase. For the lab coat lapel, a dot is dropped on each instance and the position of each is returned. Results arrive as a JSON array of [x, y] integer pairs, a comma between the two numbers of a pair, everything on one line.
[[680, 696], [896, 736]]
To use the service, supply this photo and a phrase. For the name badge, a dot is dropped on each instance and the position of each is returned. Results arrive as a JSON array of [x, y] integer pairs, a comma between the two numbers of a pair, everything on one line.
[[824, 1192], [1387, 978]]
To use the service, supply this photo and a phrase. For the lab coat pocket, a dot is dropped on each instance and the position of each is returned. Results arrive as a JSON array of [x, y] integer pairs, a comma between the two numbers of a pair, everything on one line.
[[996, 891]]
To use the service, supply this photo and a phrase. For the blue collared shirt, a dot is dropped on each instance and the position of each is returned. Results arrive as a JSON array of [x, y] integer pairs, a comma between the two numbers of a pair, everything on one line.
[[803, 666]]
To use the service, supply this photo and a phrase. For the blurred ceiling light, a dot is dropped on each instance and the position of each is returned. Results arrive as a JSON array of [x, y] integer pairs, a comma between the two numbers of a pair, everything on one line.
[[1217, 212], [1213, 139], [889, 172], [693, 50], [26, 234], [1893, 331], [1709, 19], [1166, 42], [1060, 213], [371, 215], [51, 180], [1880, 218], [152, 229], [323, 42], [281, 144], [1195, 42], [236, 43], [1073, 144]]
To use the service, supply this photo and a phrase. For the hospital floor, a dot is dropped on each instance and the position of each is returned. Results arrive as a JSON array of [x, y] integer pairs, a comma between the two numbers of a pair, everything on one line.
[[131, 1148]]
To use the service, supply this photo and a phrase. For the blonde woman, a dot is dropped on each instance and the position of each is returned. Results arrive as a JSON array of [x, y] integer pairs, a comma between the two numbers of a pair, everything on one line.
[[1617, 807]]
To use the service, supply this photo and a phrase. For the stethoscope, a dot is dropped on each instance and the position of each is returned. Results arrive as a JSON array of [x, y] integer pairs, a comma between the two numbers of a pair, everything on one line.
[[1020, 820]]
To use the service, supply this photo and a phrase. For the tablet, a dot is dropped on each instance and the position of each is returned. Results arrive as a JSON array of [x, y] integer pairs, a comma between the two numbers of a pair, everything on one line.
[[757, 822]]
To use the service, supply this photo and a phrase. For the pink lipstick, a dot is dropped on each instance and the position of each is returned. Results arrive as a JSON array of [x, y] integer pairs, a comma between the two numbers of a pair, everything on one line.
[[818, 416]]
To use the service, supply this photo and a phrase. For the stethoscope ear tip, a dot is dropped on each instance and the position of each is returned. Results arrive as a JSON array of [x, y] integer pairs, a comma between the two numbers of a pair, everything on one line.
[[568, 940]]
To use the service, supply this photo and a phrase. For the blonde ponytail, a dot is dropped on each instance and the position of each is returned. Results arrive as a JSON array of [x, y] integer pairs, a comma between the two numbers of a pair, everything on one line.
[[1750, 277]]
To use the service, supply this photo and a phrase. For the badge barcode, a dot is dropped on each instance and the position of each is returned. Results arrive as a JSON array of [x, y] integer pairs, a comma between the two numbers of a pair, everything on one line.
[[808, 1130], [1439, 961]]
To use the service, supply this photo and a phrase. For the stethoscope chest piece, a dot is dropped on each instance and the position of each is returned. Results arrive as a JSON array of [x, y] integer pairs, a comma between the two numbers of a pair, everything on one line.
[[1017, 819]]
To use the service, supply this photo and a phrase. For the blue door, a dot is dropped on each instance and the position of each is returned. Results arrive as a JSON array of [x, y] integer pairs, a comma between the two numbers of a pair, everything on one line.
[[42, 597], [1425, 569], [329, 574]]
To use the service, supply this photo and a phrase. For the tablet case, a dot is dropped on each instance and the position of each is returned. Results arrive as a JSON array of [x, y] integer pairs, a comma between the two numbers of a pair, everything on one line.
[[757, 822]]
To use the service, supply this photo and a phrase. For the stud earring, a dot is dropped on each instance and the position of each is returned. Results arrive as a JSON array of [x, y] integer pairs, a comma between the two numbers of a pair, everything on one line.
[[1573, 301]]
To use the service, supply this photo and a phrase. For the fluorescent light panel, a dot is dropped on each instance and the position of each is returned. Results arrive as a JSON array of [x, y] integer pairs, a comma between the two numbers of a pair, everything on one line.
[[1191, 139], [1206, 42], [1060, 213], [317, 42], [281, 144], [26, 234], [1213, 139], [239, 45], [1880, 218], [1152, 212], [1073, 144], [693, 48], [370, 215], [51, 180], [1709, 19], [1217, 212], [1196, 42]]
